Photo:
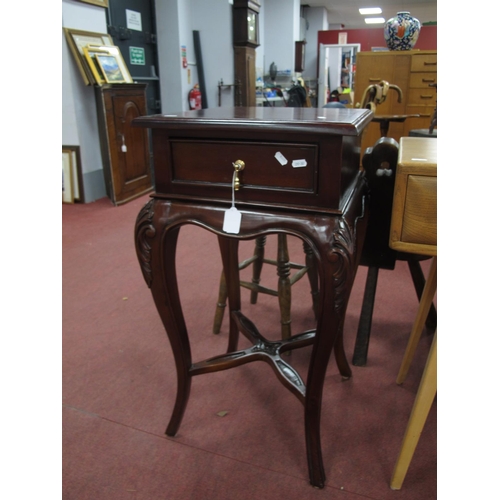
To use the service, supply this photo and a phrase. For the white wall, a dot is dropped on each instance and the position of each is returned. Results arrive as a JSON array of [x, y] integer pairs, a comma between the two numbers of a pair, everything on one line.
[[214, 20], [316, 20], [173, 25], [79, 114], [281, 31]]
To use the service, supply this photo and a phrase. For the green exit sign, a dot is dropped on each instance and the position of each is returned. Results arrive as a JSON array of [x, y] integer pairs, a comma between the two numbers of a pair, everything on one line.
[[137, 56]]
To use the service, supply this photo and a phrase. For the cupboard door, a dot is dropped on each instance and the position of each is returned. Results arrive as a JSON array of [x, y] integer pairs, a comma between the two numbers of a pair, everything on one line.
[[125, 149], [131, 171]]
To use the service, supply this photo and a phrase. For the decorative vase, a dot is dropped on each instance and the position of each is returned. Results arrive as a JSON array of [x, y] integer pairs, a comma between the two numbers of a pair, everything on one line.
[[401, 32]]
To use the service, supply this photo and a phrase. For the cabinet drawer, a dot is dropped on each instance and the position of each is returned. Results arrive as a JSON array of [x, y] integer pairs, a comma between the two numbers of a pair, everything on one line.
[[421, 80], [424, 62], [419, 218], [423, 97], [262, 168]]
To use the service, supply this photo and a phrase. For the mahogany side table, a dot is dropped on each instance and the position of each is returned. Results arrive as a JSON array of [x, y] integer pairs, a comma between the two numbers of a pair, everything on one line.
[[300, 177]]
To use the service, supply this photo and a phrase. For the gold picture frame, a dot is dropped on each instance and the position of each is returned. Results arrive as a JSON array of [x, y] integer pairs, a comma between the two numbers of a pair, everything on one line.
[[112, 50], [72, 175], [110, 68], [77, 40], [100, 3]]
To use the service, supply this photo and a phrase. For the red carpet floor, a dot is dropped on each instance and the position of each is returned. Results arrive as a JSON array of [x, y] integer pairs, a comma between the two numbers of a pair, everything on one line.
[[119, 382]]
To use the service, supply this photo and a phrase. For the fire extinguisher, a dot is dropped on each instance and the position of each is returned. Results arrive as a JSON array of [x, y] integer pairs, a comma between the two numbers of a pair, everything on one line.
[[194, 97]]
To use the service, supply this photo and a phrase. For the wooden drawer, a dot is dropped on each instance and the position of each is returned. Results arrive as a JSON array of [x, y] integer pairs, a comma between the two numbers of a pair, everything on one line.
[[421, 80], [422, 97], [262, 168], [414, 209], [195, 151], [419, 219], [424, 62]]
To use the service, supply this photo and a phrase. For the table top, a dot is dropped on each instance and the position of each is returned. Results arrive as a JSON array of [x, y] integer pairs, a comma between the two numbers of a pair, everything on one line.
[[335, 121], [418, 153]]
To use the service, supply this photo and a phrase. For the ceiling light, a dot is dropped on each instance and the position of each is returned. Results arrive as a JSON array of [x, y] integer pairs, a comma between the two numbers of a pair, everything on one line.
[[370, 10], [374, 20]]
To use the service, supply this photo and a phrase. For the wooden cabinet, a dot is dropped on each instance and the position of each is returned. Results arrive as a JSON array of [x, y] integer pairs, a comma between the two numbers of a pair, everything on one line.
[[412, 71], [125, 149], [293, 159], [414, 209]]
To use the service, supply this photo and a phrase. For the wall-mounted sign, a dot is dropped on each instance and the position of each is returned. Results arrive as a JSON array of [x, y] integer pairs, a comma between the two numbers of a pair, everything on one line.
[[134, 20], [184, 56], [137, 56]]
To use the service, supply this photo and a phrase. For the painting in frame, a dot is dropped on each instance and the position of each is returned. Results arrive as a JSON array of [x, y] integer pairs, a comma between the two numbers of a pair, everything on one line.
[[77, 40], [110, 68], [90, 52], [72, 176], [100, 3]]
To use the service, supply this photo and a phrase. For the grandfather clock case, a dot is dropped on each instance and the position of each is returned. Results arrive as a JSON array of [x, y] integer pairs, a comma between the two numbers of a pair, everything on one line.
[[125, 149], [245, 40]]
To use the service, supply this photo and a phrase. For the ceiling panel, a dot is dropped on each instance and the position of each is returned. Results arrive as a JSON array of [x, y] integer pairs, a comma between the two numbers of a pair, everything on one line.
[[346, 11]]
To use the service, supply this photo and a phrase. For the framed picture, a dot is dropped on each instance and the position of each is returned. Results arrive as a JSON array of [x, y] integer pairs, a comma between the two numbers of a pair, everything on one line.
[[94, 65], [77, 40], [111, 50], [67, 179], [100, 3], [110, 68], [72, 177]]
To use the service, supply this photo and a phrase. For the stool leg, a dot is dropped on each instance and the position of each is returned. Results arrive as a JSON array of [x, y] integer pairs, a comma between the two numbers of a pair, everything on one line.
[[419, 282], [284, 287], [221, 304], [365, 320], [260, 243], [312, 274], [423, 310], [423, 402]]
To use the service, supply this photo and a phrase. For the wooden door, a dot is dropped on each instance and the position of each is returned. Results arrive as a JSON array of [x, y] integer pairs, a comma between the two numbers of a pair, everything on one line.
[[132, 24], [125, 148]]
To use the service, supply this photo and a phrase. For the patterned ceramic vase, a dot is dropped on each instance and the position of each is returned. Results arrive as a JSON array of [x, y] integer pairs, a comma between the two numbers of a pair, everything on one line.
[[401, 32]]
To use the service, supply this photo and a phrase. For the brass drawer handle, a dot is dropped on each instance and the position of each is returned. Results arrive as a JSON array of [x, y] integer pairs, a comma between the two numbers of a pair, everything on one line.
[[428, 80], [430, 63], [374, 79], [238, 165], [426, 96], [424, 116]]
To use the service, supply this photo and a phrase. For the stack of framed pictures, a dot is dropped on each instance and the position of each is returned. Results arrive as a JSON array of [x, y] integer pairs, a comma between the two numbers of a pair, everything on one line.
[[98, 59]]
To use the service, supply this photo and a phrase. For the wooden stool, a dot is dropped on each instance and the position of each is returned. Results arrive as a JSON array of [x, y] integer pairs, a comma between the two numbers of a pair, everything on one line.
[[285, 283]]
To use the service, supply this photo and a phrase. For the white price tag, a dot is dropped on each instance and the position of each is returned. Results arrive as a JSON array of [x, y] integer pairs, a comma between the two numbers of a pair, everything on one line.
[[279, 156], [232, 221], [124, 148], [299, 163]]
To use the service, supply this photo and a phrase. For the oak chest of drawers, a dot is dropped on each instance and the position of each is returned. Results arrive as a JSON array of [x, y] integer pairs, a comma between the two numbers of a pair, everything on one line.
[[412, 71]]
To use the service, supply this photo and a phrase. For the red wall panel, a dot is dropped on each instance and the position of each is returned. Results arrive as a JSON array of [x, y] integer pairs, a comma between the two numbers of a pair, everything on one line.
[[374, 37]]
